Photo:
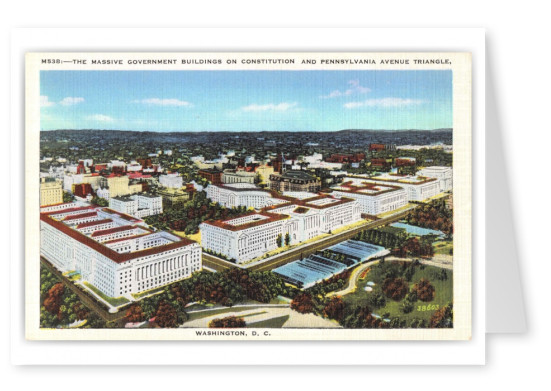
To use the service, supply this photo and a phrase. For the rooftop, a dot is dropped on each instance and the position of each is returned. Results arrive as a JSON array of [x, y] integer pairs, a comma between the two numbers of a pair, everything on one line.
[[92, 223], [297, 175], [108, 252], [258, 219], [80, 216], [356, 186]]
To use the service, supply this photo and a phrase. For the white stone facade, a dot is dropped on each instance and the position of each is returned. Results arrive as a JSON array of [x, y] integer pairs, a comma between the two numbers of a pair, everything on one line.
[[120, 266], [241, 194], [140, 205], [443, 174], [232, 176], [173, 181], [253, 235]]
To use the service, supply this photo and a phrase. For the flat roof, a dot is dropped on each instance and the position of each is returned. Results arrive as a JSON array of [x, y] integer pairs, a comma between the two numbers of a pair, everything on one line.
[[365, 188], [267, 218], [80, 216], [92, 223], [406, 179], [110, 231], [108, 252]]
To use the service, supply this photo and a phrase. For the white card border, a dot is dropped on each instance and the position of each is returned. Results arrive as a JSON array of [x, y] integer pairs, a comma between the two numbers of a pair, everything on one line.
[[394, 352]]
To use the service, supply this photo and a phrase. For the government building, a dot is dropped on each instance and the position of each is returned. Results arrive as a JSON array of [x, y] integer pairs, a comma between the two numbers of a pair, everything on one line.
[[444, 175], [241, 194], [252, 235], [418, 188], [373, 198], [51, 191], [115, 252], [139, 205], [294, 181]]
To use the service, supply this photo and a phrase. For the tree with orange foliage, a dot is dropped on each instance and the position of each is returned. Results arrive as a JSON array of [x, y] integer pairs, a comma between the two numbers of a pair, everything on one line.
[[134, 314], [229, 322], [424, 290], [303, 303], [395, 288], [334, 309], [166, 315], [52, 302], [442, 318]]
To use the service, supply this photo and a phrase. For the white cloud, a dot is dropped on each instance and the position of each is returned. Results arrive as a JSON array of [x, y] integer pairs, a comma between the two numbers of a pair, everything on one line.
[[384, 102], [164, 102], [45, 102], [69, 101], [354, 89], [100, 118], [284, 106]]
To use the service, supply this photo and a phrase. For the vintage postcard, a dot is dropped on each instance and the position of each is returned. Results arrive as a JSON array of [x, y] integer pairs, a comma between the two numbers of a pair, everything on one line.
[[248, 196]]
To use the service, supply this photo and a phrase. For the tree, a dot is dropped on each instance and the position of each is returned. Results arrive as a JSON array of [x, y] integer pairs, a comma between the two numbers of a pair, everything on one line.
[[395, 288], [100, 201], [334, 309], [166, 315], [442, 318], [134, 314], [407, 307], [279, 240], [68, 197], [424, 290], [303, 303], [227, 322], [410, 271], [52, 303], [287, 239]]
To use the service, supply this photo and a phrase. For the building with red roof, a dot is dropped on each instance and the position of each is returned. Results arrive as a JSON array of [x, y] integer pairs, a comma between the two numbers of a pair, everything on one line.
[[116, 253]]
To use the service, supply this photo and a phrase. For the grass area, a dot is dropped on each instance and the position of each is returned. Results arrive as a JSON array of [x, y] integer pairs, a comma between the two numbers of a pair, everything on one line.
[[114, 301], [436, 197], [139, 295], [391, 212], [443, 247], [74, 277], [284, 248], [195, 237], [349, 227], [422, 310]]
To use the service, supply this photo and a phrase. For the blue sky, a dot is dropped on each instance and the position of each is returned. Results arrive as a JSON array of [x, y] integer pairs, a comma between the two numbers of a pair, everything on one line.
[[245, 100]]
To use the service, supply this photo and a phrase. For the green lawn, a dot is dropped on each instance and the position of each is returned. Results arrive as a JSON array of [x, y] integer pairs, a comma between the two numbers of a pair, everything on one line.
[[443, 247], [422, 310], [139, 295], [114, 301]]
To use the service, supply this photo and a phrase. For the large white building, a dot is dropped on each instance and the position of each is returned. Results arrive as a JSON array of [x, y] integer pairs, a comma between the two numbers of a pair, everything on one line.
[[373, 198], [443, 174], [241, 194], [115, 252], [173, 181], [140, 205], [254, 234], [236, 176], [418, 188]]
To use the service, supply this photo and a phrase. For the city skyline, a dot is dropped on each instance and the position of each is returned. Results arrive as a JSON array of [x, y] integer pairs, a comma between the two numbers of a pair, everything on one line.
[[187, 101]]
